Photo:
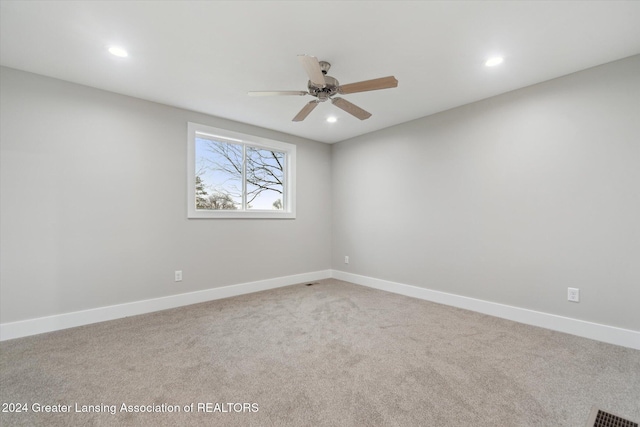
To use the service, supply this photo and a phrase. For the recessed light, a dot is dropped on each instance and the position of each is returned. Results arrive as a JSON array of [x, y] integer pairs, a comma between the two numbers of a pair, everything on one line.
[[331, 119], [118, 51], [492, 62]]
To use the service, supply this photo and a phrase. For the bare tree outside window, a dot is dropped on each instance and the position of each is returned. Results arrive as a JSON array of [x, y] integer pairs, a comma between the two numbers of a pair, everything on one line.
[[265, 173], [221, 177], [236, 175]]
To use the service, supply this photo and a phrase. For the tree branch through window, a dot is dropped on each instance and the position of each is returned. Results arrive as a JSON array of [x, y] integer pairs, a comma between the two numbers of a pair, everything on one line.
[[220, 180]]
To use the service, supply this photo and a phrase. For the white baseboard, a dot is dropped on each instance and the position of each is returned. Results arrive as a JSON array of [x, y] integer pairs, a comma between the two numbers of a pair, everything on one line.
[[78, 318], [594, 331]]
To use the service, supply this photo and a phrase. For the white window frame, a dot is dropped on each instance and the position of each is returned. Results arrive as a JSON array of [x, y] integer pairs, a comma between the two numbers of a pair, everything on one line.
[[288, 209]]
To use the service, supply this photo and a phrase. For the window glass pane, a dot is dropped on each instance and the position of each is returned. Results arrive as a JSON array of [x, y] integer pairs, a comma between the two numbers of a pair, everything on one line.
[[265, 179], [218, 175]]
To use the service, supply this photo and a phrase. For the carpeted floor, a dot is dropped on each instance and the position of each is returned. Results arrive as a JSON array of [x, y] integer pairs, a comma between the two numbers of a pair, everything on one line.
[[331, 354]]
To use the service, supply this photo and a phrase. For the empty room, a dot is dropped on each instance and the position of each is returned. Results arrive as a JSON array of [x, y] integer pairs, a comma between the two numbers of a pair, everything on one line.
[[320, 213]]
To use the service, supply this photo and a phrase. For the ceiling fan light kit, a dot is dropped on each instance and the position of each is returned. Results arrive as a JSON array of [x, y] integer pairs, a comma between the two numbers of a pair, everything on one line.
[[324, 87]]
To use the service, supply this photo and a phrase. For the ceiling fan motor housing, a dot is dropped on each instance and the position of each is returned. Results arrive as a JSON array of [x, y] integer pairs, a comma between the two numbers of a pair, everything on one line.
[[323, 93]]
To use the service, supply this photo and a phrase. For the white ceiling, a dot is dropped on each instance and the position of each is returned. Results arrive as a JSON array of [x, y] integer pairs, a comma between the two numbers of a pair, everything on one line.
[[206, 55]]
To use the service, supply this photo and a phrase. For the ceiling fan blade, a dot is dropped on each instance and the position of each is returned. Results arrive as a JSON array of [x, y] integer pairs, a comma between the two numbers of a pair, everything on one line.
[[350, 108], [312, 68], [375, 84], [278, 93], [305, 111]]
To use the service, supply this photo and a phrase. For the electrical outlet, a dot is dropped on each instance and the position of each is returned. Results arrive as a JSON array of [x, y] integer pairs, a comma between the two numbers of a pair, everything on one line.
[[346, 260], [178, 275], [573, 294]]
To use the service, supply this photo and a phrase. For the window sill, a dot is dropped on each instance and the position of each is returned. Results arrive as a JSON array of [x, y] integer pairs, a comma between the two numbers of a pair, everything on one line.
[[241, 215]]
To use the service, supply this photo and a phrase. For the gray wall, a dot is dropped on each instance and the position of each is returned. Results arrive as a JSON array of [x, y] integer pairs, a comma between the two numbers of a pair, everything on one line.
[[93, 204], [511, 199]]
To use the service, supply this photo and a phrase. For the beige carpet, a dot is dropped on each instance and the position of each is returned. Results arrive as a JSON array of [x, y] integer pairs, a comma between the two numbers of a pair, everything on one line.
[[332, 354]]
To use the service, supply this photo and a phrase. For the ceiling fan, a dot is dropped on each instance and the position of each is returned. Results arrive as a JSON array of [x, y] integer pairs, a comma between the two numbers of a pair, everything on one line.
[[324, 87]]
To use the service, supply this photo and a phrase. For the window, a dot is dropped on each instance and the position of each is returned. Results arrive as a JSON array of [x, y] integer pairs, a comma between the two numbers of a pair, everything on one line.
[[234, 175]]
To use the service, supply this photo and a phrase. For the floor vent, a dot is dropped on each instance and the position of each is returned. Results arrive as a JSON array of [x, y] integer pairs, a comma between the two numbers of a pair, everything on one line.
[[600, 418]]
